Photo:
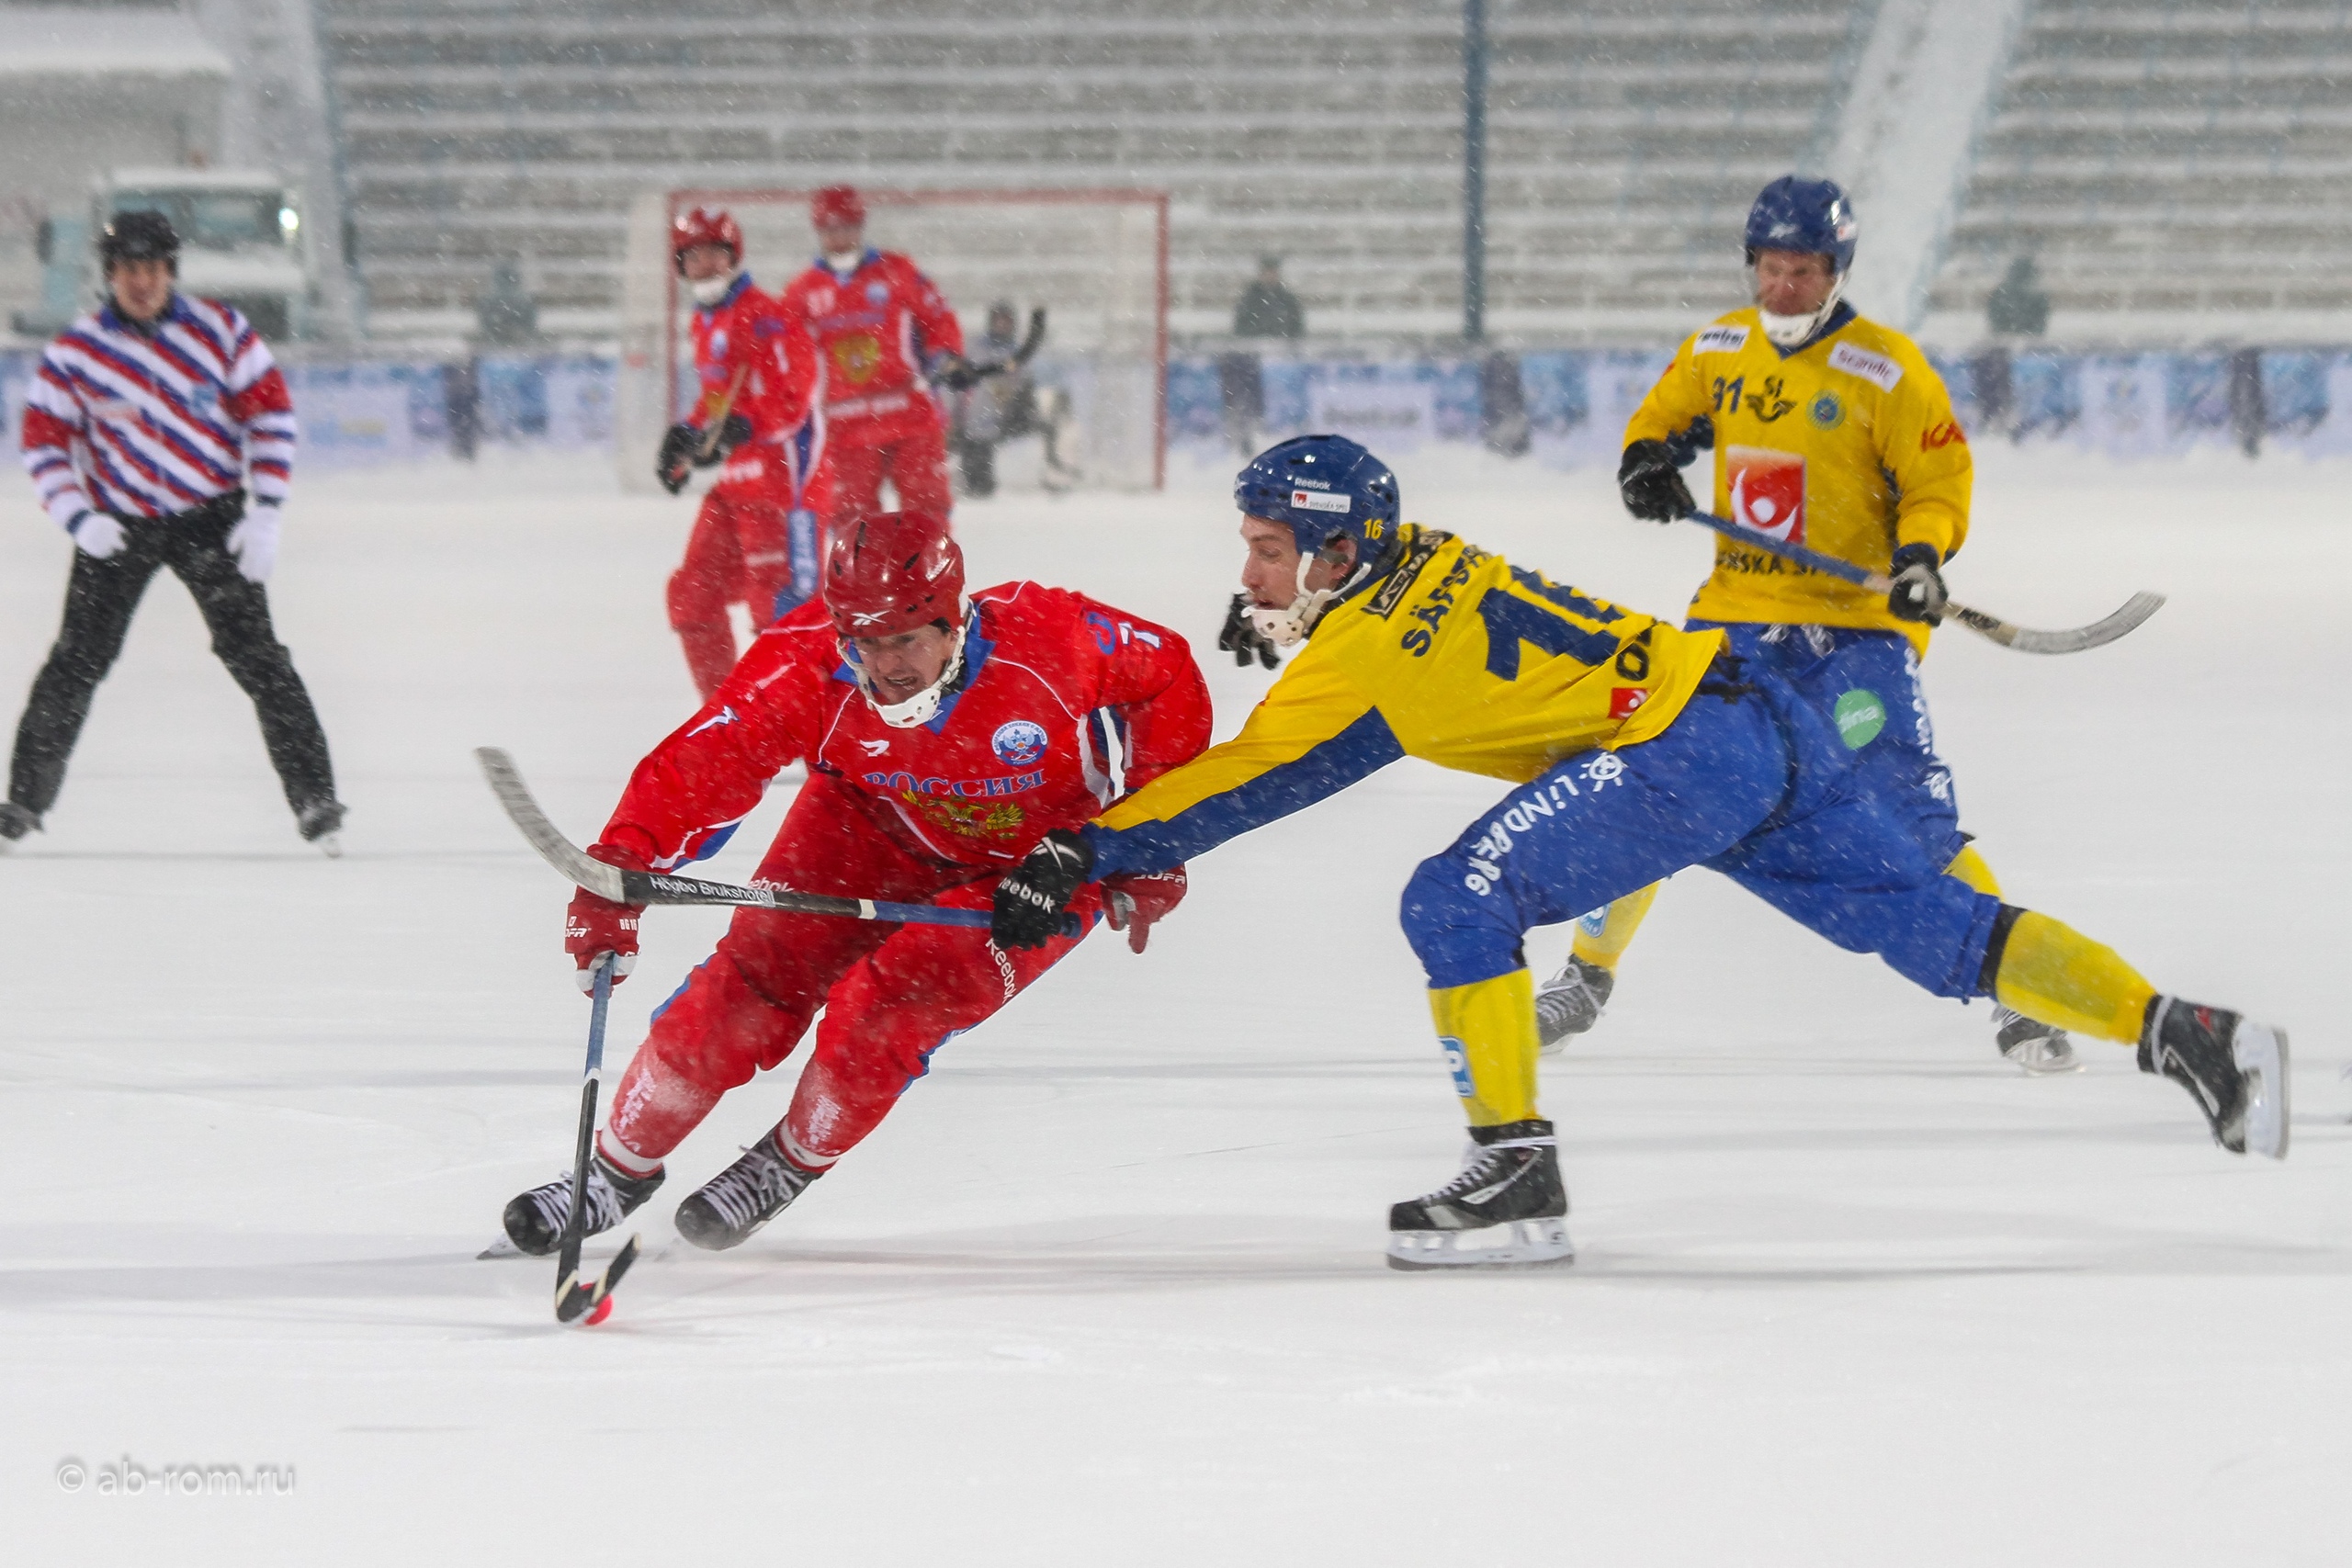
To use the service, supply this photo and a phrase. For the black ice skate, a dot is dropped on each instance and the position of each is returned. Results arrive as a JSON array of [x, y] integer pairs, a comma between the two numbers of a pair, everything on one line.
[[2037, 1047], [320, 822], [1570, 1003], [535, 1220], [745, 1196], [2233, 1068], [1507, 1208], [16, 821]]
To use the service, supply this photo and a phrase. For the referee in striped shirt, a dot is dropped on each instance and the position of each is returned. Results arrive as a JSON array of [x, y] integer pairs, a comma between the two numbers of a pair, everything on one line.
[[143, 427]]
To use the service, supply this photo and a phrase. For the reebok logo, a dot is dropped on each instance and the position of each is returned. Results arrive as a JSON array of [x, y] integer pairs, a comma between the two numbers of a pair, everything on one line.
[[875, 747], [724, 716]]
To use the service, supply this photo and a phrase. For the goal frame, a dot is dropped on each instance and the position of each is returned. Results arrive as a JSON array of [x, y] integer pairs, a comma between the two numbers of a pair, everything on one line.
[[681, 198]]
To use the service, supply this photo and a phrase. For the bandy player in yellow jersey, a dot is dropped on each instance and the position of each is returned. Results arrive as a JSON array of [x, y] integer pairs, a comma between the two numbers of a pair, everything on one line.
[[1633, 750], [1832, 432]]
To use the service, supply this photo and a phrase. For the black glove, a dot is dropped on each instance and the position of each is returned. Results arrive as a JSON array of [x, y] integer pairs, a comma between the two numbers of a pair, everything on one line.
[[679, 444], [1918, 591], [1242, 639], [956, 373], [1032, 896], [732, 432], [1652, 484]]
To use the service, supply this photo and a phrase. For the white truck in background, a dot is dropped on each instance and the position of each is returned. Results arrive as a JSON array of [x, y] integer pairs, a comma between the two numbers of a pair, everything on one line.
[[243, 242]]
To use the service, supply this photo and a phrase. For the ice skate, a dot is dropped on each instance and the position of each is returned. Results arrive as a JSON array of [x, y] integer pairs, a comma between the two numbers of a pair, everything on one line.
[[16, 821], [321, 822], [739, 1200], [535, 1220], [1508, 1209], [2035, 1046], [1571, 1002], [2233, 1068]]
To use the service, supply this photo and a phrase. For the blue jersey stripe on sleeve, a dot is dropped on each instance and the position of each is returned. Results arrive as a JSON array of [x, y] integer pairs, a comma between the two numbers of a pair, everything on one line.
[[1356, 754]]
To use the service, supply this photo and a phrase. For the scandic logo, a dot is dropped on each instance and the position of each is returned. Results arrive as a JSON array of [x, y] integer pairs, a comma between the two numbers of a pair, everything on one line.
[[1310, 501]]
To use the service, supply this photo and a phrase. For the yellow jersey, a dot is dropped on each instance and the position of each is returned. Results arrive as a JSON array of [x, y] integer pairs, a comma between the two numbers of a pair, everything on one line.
[[1455, 657], [1848, 446]]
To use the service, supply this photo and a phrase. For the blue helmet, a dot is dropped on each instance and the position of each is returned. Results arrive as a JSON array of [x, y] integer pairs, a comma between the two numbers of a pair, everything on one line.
[[1324, 487], [1795, 214]]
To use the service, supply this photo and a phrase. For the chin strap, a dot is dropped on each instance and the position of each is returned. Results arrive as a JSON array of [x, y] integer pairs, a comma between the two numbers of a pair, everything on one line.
[[923, 706], [1791, 332], [1287, 626]]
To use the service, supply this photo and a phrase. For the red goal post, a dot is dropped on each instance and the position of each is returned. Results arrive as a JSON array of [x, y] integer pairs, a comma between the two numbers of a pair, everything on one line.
[[1096, 260]]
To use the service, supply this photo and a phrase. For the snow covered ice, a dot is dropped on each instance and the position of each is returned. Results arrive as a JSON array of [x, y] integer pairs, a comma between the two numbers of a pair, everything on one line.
[[1108, 1286]]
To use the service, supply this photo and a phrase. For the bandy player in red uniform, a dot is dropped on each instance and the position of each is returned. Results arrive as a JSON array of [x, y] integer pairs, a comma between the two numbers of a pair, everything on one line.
[[943, 739], [753, 544], [881, 329]]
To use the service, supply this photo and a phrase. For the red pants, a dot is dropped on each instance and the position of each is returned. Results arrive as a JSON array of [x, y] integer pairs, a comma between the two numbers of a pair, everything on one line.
[[892, 994], [909, 446], [739, 553]]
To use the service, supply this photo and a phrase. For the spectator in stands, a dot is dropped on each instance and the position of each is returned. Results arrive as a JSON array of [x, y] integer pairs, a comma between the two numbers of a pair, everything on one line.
[[1266, 309], [2019, 308]]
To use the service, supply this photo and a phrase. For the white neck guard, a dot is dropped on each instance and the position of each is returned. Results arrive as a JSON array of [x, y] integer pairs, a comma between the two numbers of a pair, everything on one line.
[[844, 262], [1788, 331], [923, 706], [711, 291], [1289, 625]]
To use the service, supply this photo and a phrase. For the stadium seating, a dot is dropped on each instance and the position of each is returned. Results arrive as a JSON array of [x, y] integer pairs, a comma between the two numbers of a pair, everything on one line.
[[2177, 168], [1627, 138]]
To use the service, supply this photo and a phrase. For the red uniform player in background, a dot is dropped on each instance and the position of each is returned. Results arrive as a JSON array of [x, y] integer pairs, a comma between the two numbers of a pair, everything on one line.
[[881, 329], [753, 544], [943, 739]]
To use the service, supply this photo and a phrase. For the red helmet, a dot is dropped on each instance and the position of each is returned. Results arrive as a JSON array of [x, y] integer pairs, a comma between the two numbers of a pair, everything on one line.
[[893, 572], [836, 204], [704, 226]]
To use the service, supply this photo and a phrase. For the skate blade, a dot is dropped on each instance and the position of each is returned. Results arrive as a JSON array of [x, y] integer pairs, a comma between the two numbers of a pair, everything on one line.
[[1521, 1244], [2261, 1051], [2042, 1065], [502, 1247]]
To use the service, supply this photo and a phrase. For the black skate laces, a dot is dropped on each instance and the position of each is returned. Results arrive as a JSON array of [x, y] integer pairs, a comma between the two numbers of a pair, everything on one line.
[[1494, 1164], [554, 1202], [750, 1189]]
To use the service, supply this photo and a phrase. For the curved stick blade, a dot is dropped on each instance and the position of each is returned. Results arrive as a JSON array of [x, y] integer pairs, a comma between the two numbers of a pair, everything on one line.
[[514, 796], [2026, 639]]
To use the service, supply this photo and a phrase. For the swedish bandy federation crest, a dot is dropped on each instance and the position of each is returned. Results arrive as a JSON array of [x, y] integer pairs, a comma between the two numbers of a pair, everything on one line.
[[1019, 742]]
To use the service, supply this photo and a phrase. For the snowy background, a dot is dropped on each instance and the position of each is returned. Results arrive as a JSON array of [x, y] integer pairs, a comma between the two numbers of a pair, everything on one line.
[[1107, 1287]]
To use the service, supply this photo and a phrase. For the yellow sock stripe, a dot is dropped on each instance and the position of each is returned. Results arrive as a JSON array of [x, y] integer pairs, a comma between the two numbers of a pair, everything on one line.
[[1488, 1029], [1970, 868], [2054, 973], [1617, 930]]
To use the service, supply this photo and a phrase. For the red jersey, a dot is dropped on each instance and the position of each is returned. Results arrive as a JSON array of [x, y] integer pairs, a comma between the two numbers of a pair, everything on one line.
[[875, 330], [748, 333], [1065, 705]]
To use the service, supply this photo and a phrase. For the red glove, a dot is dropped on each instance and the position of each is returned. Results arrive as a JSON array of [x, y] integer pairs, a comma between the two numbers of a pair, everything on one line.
[[1133, 904], [594, 925]]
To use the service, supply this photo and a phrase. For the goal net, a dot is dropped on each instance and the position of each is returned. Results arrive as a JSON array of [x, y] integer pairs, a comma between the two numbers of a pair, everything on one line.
[[1096, 262]]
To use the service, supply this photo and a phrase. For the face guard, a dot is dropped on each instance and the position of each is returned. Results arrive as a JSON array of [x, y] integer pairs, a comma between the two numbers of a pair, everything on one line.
[[923, 706]]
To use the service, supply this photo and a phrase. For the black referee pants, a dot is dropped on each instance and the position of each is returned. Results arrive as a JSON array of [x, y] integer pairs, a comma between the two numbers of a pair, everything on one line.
[[99, 601]]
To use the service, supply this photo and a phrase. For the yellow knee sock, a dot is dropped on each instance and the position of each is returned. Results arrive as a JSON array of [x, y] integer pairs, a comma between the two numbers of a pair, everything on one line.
[[2055, 975], [1617, 929], [1970, 868], [1489, 1031]]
